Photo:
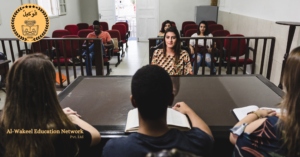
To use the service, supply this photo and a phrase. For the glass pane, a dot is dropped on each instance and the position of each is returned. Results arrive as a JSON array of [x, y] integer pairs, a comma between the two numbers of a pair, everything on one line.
[[46, 5], [63, 8]]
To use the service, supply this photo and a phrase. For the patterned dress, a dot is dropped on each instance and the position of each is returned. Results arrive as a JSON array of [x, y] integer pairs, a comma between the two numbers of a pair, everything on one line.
[[265, 141], [183, 67]]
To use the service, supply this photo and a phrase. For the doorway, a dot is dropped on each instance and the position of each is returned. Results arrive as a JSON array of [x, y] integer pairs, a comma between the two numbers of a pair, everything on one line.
[[125, 12]]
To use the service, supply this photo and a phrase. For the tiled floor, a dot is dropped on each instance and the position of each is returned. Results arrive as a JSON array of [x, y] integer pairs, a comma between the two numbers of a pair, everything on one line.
[[136, 56]]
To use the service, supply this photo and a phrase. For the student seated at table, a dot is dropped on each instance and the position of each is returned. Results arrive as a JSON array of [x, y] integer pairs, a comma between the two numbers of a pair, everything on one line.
[[152, 93], [106, 43], [202, 32], [267, 133], [172, 58], [32, 103], [167, 24]]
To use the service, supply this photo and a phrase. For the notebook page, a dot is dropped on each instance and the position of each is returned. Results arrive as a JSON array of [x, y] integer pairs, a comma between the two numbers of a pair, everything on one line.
[[278, 110], [241, 113], [176, 118], [132, 119]]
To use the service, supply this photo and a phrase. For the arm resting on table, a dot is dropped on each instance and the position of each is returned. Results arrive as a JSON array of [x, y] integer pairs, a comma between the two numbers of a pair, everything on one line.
[[195, 119], [198, 122], [251, 119]]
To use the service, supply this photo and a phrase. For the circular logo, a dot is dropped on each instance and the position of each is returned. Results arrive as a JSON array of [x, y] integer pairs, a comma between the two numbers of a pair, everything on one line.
[[30, 23]]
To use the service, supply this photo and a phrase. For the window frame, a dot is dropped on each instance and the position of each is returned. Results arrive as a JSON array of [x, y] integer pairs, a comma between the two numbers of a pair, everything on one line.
[[0, 18], [62, 3]]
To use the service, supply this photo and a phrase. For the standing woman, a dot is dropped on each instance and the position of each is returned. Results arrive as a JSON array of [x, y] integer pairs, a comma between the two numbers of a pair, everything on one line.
[[167, 24], [202, 32], [174, 60], [32, 103], [263, 133]]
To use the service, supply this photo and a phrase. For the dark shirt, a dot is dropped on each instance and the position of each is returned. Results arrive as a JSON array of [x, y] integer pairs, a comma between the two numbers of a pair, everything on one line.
[[84, 144], [264, 141], [194, 141]]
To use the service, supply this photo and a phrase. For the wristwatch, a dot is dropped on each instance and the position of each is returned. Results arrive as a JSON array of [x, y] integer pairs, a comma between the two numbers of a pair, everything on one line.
[[258, 116]]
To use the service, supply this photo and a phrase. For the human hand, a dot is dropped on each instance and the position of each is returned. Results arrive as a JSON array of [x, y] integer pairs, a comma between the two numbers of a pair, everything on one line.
[[192, 49], [69, 111], [266, 112], [182, 108]]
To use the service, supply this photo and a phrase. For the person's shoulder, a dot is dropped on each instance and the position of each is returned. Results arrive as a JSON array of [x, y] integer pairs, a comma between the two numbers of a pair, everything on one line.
[[210, 35], [104, 32], [194, 35], [91, 34], [161, 34], [199, 135], [183, 52], [159, 51], [115, 147]]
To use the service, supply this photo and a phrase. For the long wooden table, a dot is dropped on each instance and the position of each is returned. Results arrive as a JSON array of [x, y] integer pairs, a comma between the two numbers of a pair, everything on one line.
[[104, 101]]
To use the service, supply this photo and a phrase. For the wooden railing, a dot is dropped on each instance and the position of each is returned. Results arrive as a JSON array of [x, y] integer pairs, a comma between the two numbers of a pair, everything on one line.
[[52, 43], [152, 43]]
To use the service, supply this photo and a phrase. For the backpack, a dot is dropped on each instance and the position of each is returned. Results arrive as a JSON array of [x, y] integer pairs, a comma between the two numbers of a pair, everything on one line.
[[2, 56]]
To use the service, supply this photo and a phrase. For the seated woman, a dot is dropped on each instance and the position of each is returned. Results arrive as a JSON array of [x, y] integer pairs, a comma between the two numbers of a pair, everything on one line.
[[267, 133], [174, 60], [32, 104], [167, 24], [202, 32]]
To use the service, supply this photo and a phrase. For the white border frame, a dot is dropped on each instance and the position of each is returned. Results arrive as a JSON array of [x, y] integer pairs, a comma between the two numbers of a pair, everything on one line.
[[0, 18], [65, 4]]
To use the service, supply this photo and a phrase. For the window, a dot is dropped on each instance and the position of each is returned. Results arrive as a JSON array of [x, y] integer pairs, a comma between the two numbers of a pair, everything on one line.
[[53, 7], [0, 19], [62, 6]]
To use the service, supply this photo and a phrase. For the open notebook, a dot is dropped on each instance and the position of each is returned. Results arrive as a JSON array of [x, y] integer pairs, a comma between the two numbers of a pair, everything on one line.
[[175, 119], [241, 113]]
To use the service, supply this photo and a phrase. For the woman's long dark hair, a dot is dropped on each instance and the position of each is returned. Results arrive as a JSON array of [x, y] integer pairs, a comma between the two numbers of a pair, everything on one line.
[[177, 46], [291, 104], [32, 103], [164, 25], [206, 32]]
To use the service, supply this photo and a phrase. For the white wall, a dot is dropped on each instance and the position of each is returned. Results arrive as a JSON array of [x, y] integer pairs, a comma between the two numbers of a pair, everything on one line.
[[257, 18], [73, 16], [89, 11], [6, 10], [273, 10], [179, 10]]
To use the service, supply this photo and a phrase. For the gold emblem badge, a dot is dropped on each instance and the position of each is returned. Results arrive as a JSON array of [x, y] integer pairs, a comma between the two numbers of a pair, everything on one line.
[[30, 23]]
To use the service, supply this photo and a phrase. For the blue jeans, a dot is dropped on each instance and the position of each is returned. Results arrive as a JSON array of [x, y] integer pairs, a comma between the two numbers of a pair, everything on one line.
[[92, 54], [207, 62]]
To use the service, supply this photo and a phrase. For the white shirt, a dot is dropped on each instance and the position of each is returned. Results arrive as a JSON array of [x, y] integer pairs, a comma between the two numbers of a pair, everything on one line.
[[201, 41]]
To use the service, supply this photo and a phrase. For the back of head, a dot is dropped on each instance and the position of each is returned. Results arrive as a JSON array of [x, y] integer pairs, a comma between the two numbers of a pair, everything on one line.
[[152, 90], [96, 22], [32, 103], [291, 103], [164, 25]]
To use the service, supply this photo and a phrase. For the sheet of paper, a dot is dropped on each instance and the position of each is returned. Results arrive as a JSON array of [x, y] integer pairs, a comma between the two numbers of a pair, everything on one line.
[[241, 113], [278, 110], [176, 118], [132, 119]]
